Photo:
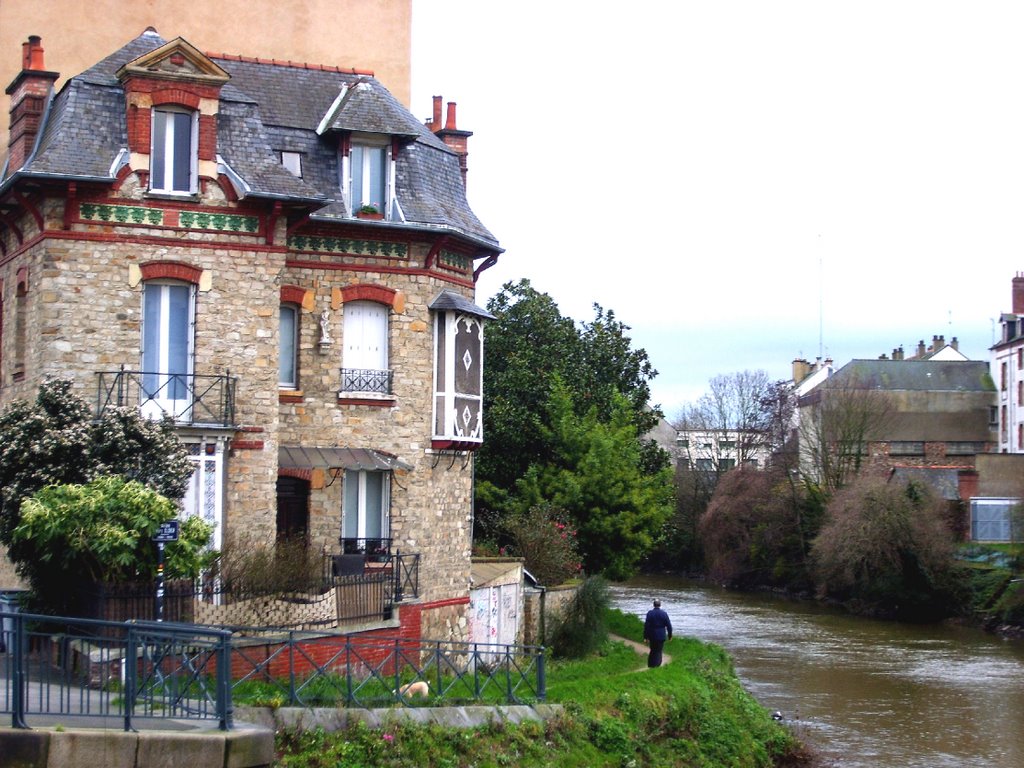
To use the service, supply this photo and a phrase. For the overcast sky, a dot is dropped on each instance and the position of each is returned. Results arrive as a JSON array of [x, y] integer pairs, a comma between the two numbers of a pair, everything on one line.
[[744, 181]]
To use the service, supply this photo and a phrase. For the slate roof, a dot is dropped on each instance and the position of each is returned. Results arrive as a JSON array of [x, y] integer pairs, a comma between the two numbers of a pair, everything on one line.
[[914, 375], [266, 108]]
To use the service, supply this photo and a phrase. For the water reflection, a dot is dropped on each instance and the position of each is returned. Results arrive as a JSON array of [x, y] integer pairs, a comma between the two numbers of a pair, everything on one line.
[[868, 693]]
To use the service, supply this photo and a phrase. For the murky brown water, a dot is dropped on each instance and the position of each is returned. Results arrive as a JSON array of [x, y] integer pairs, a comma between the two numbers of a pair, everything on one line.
[[864, 692]]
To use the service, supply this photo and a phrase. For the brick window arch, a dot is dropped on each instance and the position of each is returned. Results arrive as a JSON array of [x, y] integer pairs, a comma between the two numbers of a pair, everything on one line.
[[171, 270]]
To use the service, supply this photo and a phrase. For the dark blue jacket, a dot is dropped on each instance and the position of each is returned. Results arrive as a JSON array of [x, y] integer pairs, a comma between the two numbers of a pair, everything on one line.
[[657, 626]]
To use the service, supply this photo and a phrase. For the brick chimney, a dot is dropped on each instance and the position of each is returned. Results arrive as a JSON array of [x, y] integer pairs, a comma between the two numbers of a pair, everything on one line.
[[921, 350], [801, 369], [1018, 294], [955, 344], [450, 134], [29, 92]]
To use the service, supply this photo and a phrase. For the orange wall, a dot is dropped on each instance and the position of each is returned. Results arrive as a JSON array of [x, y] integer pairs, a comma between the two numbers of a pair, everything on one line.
[[370, 35]]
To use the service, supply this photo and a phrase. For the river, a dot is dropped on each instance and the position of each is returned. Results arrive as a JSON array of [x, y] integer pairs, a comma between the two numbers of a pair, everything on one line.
[[863, 692]]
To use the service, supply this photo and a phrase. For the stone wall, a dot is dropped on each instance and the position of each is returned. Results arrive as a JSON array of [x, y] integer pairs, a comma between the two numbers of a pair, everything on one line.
[[83, 314], [553, 602]]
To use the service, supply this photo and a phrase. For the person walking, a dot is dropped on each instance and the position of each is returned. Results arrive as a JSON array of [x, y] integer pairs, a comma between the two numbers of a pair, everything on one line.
[[657, 629]]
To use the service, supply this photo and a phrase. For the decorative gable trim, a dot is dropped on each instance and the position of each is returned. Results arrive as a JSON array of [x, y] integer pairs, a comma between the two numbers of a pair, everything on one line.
[[176, 60]]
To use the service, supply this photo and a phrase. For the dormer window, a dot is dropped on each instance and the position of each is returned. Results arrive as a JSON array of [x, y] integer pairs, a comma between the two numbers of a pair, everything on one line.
[[292, 161], [173, 161], [367, 174]]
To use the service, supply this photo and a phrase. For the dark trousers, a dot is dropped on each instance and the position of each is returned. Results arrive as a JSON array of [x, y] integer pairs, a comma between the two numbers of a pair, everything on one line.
[[654, 657]]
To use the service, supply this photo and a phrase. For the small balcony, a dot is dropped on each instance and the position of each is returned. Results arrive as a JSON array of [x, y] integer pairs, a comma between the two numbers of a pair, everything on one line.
[[366, 381], [187, 399]]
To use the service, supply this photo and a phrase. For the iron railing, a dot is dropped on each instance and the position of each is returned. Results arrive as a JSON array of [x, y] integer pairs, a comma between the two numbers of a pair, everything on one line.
[[368, 594], [373, 548], [366, 380], [113, 671], [305, 669], [187, 399]]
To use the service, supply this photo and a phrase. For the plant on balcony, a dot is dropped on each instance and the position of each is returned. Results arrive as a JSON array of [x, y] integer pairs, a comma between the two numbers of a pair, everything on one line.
[[54, 440], [369, 208]]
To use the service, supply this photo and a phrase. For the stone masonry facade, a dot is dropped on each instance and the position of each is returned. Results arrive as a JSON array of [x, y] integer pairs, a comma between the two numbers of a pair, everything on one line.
[[75, 260]]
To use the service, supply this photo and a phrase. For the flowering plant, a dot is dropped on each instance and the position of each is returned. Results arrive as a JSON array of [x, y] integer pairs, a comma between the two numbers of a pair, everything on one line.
[[546, 539]]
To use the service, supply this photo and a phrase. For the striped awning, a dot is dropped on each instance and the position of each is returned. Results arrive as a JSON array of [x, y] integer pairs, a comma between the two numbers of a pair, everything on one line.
[[303, 457]]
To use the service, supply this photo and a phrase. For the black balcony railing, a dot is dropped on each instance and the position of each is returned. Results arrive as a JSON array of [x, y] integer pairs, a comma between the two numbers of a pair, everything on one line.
[[373, 549], [371, 380], [187, 399]]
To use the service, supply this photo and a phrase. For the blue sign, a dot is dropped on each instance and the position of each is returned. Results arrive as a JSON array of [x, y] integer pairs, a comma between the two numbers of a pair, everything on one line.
[[168, 532]]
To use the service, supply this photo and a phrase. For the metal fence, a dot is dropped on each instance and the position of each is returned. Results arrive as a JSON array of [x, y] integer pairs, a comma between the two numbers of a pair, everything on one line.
[[306, 669], [108, 671], [333, 599]]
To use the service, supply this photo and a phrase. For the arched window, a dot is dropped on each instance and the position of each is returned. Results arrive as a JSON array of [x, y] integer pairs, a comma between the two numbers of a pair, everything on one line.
[[365, 348]]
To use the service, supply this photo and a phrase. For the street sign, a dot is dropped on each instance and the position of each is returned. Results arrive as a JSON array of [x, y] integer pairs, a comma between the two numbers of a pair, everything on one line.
[[168, 532]]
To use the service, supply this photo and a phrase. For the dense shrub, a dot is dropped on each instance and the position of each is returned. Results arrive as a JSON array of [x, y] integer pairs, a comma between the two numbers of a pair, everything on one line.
[[100, 532], [887, 545], [581, 628], [756, 528], [545, 538]]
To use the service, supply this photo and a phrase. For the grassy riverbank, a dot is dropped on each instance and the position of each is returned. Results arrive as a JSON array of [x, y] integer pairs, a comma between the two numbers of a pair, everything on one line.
[[690, 712]]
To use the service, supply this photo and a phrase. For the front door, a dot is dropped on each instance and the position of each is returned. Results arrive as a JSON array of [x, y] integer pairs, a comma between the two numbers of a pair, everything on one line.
[[292, 509]]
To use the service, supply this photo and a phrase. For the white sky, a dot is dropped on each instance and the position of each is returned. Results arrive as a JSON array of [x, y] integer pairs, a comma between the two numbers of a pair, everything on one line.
[[742, 180]]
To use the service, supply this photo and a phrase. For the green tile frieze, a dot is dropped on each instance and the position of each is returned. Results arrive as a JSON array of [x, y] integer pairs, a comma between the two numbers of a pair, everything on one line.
[[224, 222], [121, 214], [372, 248]]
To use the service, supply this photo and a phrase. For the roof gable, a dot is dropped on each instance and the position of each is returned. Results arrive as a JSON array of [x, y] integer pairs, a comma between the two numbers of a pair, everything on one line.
[[175, 60]]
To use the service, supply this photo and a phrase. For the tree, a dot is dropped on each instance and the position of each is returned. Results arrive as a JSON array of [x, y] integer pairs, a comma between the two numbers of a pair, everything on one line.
[[599, 479], [753, 531], [54, 441], [837, 422], [741, 407], [73, 535], [887, 545], [532, 349]]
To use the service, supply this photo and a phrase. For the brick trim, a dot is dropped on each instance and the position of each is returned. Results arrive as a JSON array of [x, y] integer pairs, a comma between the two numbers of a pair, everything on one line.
[[177, 96], [369, 292], [296, 472], [171, 270], [292, 294]]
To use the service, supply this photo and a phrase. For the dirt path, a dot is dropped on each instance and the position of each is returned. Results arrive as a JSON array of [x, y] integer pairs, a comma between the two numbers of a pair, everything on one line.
[[641, 649]]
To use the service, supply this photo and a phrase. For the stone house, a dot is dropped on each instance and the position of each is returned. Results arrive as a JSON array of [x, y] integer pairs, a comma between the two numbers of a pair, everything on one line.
[[282, 259], [933, 414]]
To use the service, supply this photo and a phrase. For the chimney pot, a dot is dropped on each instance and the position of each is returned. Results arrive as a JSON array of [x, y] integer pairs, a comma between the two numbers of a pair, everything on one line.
[[32, 54], [954, 344], [1018, 294], [449, 124], [435, 122]]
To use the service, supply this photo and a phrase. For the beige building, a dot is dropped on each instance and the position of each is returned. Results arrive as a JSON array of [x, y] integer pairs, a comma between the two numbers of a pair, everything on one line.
[[374, 36], [282, 259]]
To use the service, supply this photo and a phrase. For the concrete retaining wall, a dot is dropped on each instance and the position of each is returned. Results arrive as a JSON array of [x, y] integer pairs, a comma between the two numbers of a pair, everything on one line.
[[51, 748]]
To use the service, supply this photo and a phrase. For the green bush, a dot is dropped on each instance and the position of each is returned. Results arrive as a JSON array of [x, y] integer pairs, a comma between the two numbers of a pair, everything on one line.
[[581, 629], [100, 532]]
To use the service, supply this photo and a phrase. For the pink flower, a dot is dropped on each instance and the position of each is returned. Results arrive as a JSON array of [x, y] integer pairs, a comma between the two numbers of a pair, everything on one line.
[[388, 737]]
